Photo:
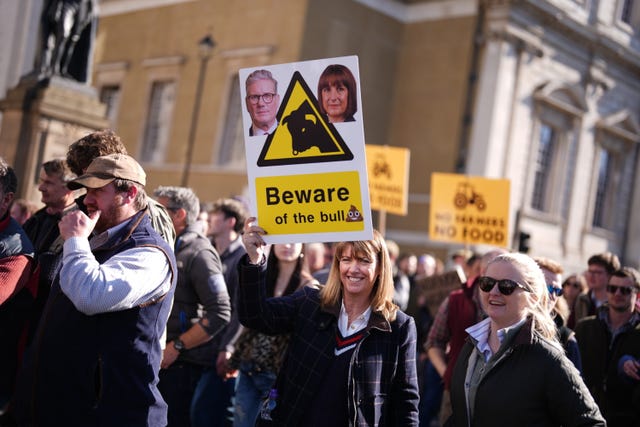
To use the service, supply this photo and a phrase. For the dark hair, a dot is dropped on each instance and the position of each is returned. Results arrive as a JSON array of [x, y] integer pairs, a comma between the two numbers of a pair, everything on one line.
[[100, 143], [8, 178], [631, 273], [231, 208], [473, 258], [273, 268], [335, 75], [607, 260]]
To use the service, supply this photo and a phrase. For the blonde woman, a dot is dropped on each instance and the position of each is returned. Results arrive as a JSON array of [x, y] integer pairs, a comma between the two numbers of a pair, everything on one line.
[[513, 371], [351, 355]]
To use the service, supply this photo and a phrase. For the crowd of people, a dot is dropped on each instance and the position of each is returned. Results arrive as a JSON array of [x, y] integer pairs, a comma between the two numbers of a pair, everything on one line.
[[123, 308]]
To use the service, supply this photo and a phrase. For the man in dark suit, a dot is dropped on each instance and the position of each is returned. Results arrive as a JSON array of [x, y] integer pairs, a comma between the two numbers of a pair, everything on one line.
[[262, 102]]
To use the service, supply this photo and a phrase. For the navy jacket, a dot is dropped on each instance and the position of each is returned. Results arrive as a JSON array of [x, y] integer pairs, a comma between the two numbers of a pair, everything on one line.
[[383, 387], [101, 369]]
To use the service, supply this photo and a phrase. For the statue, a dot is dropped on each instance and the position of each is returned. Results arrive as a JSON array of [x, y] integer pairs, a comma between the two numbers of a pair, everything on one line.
[[67, 31]]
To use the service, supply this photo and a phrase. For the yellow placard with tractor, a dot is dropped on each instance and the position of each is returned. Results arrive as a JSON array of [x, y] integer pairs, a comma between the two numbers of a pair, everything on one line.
[[388, 169], [469, 210]]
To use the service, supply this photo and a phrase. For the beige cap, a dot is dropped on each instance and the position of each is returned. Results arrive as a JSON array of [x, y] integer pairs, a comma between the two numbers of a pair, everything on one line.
[[105, 169]]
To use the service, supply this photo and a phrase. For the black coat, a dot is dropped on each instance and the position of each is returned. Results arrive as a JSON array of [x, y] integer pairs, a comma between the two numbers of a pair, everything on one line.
[[383, 386], [532, 384]]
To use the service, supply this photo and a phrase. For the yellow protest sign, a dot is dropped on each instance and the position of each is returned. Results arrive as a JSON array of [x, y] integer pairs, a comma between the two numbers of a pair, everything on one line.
[[470, 210], [388, 169], [311, 203], [305, 153]]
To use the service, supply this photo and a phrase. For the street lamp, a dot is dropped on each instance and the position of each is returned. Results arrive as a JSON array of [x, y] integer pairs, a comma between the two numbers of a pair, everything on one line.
[[205, 51]]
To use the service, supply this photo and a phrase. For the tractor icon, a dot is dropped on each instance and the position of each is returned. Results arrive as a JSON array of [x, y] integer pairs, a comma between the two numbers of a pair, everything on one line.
[[381, 167], [465, 194]]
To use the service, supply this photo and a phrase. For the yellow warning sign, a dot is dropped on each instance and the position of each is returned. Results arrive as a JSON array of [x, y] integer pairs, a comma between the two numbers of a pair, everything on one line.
[[469, 210], [311, 203], [388, 169], [302, 135]]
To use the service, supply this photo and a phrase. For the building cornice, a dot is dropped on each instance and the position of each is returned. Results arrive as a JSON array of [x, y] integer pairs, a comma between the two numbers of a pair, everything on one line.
[[592, 37], [422, 12], [119, 7]]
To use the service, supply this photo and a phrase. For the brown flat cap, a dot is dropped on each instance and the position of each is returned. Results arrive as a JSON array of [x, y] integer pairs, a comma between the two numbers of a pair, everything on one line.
[[105, 169]]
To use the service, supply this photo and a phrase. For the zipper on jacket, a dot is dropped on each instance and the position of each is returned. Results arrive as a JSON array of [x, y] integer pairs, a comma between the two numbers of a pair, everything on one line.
[[98, 377]]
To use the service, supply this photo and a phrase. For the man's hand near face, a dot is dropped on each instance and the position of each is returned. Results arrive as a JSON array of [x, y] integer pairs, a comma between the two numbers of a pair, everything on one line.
[[77, 224]]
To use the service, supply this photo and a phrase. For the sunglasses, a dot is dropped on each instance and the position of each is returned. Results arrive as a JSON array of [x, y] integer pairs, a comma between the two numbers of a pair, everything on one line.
[[553, 290], [624, 290], [505, 286]]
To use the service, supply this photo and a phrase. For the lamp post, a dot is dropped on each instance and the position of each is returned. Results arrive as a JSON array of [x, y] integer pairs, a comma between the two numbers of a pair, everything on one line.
[[205, 51]]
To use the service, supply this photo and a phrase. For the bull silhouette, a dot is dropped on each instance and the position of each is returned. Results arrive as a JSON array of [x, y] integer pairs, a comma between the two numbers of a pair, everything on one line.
[[307, 131]]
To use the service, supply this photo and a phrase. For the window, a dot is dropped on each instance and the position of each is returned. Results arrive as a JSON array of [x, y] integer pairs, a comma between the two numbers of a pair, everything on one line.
[[625, 12], [156, 133], [559, 108], [543, 167], [231, 147], [629, 14], [603, 188], [110, 96], [614, 167]]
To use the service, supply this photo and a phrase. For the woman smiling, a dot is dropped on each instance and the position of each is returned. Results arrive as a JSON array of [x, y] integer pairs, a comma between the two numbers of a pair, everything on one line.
[[513, 371], [351, 356]]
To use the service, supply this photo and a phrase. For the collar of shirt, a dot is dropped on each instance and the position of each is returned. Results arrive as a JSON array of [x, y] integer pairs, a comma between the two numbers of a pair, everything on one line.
[[357, 325], [97, 240], [480, 334], [603, 315], [259, 132]]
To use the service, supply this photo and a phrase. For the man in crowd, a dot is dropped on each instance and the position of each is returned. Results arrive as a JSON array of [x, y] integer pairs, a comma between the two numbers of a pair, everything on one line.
[[95, 360], [262, 101], [613, 332], [401, 284], [22, 209], [101, 143], [600, 268], [16, 289], [216, 388], [201, 306], [42, 227], [553, 271]]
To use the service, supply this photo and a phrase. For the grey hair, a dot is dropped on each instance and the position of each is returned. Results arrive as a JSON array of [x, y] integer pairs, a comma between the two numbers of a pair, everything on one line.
[[59, 167], [181, 198], [261, 75]]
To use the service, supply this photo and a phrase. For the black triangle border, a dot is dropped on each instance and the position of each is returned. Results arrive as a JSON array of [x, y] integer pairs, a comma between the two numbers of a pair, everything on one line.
[[345, 156]]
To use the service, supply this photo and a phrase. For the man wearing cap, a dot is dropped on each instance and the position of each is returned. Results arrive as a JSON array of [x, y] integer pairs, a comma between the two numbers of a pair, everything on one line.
[[96, 354]]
